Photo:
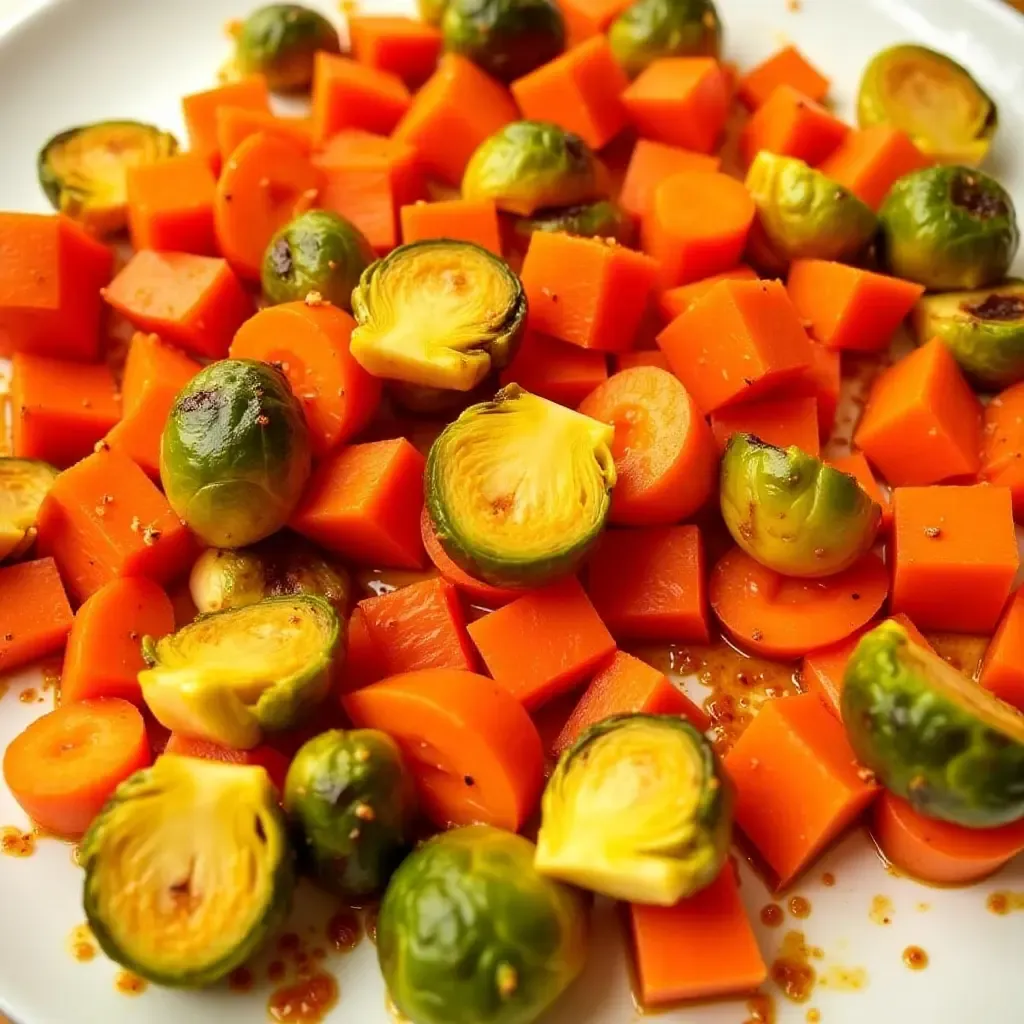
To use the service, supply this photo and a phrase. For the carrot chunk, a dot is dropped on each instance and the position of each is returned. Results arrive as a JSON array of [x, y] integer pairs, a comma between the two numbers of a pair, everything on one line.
[[34, 611], [922, 422], [466, 220], [821, 381], [544, 643], [871, 160], [650, 164], [647, 357], [586, 18], [781, 421], [787, 67], [350, 95], [674, 302], [1002, 444], [363, 662], [272, 761], [170, 205], [555, 369], [857, 466], [403, 47], [1002, 671], [955, 556], [200, 110], [792, 124], [236, 124]]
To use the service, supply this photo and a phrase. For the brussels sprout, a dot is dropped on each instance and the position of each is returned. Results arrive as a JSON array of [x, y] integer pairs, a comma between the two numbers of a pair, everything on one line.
[[933, 99], [948, 228], [83, 171], [519, 488], [507, 38], [650, 29], [804, 215], [934, 737], [637, 809], [437, 313], [431, 11], [351, 807], [230, 676], [469, 933], [187, 870], [279, 41], [235, 452], [603, 219], [24, 483], [529, 165], [791, 512]]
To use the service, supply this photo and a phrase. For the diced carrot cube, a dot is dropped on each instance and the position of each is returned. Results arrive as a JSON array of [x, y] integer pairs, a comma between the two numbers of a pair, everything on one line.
[[35, 613], [350, 95], [200, 110], [779, 421], [650, 164], [1002, 444], [787, 67], [364, 663], [870, 161], [674, 302], [856, 465], [236, 124], [647, 357], [792, 124], [467, 220], [586, 18], [1002, 671], [821, 381], [555, 369], [170, 205], [403, 47]]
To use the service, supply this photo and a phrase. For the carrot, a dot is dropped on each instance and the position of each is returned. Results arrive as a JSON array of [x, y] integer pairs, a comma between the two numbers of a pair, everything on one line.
[[350, 95], [821, 381], [65, 765], [467, 220], [154, 373], [1002, 671], [50, 275], [363, 662], [452, 114], [857, 466], [665, 457], [650, 164], [646, 357], [364, 503], [104, 655], [474, 752], [236, 124], [954, 556], [792, 124], [780, 421], [195, 302], [403, 47], [694, 240], [785, 617], [104, 518], [674, 302], [34, 611], [59, 409], [579, 90], [1002, 445], [586, 18], [200, 111], [922, 422], [544, 643], [555, 369], [170, 205], [870, 161], [311, 345], [702, 948], [767, 345], [787, 67], [272, 761], [265, 182], [587, 291], [849, 308]]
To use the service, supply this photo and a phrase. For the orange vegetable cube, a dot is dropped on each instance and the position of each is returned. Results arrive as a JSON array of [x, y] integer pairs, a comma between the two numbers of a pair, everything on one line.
[[1002, 444], [467, 220], [650, 164], [870, 161], [200, 110], [586, 18], [350, 95], [856, 465], [821, 381], [403, 47], [792, 124], [363, 662], [555, 369], [236, 124], [787, 67], [779, 421], [674, 302], [1002, 671], [35, 613], [170, 205]]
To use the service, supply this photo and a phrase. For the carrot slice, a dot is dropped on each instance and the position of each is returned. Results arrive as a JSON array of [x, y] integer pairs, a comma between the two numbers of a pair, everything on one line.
[[236, 124], [1002, 671], [792, 124], [272, 761], [65, 765], [650, 164], [555, 369], [870, 161], [674, 302], [34, 611], [787, 67], [200, 110], [170, 205], [402, 47], [472, 747], [857, 466], [781, 421], [466, 220], [1002, 444], [363, 662], [350, 95]]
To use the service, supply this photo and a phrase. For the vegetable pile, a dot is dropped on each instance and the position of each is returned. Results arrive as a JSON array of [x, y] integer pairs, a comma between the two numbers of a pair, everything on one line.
[[495, 309]]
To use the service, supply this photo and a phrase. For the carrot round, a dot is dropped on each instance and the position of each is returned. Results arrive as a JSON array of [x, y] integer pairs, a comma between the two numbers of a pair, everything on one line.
[[783, 617], [666, 459], [65, 765], [474, 750], [272, 761], [264, 184]]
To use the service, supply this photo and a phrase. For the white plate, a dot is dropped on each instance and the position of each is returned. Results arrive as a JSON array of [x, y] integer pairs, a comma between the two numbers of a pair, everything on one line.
[[81, 60]]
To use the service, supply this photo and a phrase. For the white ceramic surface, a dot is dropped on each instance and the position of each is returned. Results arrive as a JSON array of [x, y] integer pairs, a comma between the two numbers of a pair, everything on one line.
[[80, 60]]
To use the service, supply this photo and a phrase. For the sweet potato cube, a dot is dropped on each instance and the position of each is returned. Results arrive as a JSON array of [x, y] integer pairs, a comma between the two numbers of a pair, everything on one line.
[[200, 111], [467, 220], [1002, 671], [779, 421], [790, 123], [786, 67], [170, 205], [1002, 444], [870, 161], [35, 613], [350, 95]]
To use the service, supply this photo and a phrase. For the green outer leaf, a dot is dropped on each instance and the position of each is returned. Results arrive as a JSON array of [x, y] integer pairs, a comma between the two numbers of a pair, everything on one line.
[[280, 41], [648, 30], [602, 219]]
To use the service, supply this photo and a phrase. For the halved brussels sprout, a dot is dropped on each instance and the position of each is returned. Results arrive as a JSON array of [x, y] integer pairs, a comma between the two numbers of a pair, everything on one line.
[[637, 809], [933, 99], [470, 933], [230, 676], [279, 42], [24, 483], [519, 488], [351, 806], [507, 38], [937, 739], [187, 870], [437, 313], [235, 452], [83, 171], [528, 165], [805, 215], [948, 228], [603, 219], [648, 30], [791, 512]]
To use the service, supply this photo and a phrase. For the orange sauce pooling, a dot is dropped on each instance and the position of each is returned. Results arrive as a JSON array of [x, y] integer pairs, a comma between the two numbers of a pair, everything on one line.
[[800, 906], [761, 1009], [344, 931], [16, 843], [772, 915], [129, 984], [792, 970], [306, 1002], [915, 958]]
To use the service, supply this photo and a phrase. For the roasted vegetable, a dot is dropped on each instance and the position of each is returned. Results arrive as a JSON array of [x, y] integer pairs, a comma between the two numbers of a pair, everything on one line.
[[437, 313], [235, 452], [518, 488], [948, 228], [933, 99], [279, 41], [603, 219], [637, 809], [351, 806], [187, 870], [83, 170], [650, 29], [469, 933], [431, 11], [230, 676], [932, 736], [23, 485]]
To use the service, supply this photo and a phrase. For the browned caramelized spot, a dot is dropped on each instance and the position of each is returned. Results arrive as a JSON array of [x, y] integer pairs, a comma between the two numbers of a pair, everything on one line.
[[969, 194], [760, 1009], [792, 971], [29, 695], [344, 930], [772, 915], [502, 505], [16, 843], [1005, 902], [306, 1002], [915, 958], [129, 984], [82, 944], [963, 651], [828, 879], [881, 910], [996, 307], [813, 1016], [800, 906], [370, 915], [240, 980]]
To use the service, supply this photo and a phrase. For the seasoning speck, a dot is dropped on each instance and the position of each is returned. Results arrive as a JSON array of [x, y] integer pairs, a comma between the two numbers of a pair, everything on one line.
[[800, 906], [881, 910], [915, 958], [129, 984], [932, 532], [771, 915]]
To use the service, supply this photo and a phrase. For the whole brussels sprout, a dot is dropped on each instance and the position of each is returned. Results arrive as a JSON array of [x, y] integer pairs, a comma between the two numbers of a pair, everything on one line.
[[235, 452], [648, 30], [791, 512], [187, 870], [351, 807], [319, 251], [637, 809], [279, 42], [469, 933], [528, 165], [603, 219], [937, 739], [24, 483], [933, 99], [507, 38], [948, 228]]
